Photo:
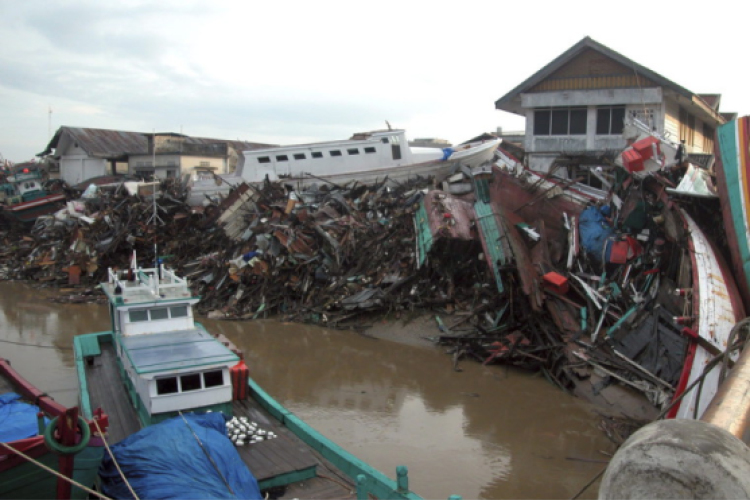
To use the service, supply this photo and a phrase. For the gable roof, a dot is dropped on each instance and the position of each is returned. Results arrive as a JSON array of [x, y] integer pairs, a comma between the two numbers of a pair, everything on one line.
[[100, 143], [511, 101], [118, 144]]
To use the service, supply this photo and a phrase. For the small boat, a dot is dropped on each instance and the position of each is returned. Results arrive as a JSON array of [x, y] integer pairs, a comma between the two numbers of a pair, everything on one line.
[[23, 195], [366, 157], [159, 372], [35, 462]]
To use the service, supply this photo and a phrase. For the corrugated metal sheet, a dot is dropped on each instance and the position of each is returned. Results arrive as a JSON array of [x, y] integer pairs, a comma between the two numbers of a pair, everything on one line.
[[491, 236]]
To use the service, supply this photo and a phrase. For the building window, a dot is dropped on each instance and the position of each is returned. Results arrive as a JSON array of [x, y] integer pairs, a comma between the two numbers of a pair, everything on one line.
[[708, 139], [647, 116], [369, 150], [353, 151], [610, 120], [205, 164], [560, 121], [335, 152], [687, 127], [282, 158], [264, 159], [166, 385], [299, 156]]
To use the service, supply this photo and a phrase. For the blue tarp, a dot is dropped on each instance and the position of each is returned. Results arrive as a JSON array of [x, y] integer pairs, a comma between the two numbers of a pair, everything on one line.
[[17, 418], [594, 231], [166, 461]]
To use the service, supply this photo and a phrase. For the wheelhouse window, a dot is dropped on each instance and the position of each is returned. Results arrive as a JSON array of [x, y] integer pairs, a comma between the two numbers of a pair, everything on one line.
[[560, 121], [264, 159], [369, 150], [166, 385], [160, 313], [316, 154], [213, 378], [136, 316], [178, 311], [299, 156], [335, 152], [282, 158], [610, 120], [353, 151], [190, 382]]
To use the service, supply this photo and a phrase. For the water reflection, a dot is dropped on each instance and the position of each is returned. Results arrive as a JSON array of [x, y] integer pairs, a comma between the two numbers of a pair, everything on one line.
[[485, 432]]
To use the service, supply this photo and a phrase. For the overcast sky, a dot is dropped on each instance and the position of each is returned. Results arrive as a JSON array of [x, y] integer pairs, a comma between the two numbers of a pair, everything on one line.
[[290, 71]]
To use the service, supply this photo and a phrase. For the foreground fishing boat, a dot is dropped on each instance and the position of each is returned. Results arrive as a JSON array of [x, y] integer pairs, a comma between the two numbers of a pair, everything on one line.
[[24, 197], [35, 462], [157, 369]]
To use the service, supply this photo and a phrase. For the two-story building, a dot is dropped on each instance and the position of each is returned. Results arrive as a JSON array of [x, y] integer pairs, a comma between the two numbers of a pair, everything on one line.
[[575, 109], [83, 153]]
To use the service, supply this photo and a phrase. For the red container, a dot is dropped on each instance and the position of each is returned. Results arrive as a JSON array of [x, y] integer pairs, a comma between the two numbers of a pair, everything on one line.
[[632, 160], [647, 148], [240, 374], [555, 282]]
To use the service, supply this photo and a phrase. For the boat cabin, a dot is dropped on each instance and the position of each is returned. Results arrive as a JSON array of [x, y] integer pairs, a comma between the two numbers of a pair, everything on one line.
[[362, 152], [170, 363], [23, 184]]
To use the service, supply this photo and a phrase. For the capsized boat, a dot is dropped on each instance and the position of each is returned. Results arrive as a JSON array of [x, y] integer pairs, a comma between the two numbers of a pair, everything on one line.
[[23, 195], [157, 369], [623, 281], [34, 435]]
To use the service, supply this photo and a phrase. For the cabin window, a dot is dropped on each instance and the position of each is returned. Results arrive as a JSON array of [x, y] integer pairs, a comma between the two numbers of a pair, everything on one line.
[[166, 385], [299, 156], [178, 311], [384, 140], [138, 315], [560, 121], [264, 159], [610, 120], [213, 379], [353, 151], [316, 154], [160, 313], [369, 149], [335, 152], [191, 382], [282, 158]]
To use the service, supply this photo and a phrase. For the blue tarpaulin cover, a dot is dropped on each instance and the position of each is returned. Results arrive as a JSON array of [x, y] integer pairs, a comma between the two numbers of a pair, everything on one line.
[[594, 231], [166, 461], [17, 418]]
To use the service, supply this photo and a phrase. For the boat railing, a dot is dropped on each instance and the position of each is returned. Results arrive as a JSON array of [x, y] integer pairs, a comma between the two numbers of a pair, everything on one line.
[[155, 280]]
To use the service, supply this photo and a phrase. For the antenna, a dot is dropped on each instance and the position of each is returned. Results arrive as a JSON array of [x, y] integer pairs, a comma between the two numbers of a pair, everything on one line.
[[49, 122]]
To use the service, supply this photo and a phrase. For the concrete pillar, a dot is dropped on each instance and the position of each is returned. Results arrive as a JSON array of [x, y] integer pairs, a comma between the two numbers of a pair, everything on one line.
[[679, 459]]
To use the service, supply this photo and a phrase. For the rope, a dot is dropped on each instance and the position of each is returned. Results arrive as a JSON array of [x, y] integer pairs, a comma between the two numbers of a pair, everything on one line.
[[205, 451], [114, 461], [54, 472], [36, 345]]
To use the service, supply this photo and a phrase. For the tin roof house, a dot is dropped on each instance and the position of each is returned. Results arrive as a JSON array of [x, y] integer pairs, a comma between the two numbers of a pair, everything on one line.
[[576, 107], [83, 153]]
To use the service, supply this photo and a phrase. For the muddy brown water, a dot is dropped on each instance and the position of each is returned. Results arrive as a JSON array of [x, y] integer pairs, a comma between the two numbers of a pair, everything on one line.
[[483, 432]]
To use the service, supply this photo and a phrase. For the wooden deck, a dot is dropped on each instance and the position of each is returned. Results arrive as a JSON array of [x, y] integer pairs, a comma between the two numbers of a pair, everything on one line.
[[285, 464]]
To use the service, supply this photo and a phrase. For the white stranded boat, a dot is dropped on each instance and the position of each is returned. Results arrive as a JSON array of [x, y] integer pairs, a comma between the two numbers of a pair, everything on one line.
[[366, 157]]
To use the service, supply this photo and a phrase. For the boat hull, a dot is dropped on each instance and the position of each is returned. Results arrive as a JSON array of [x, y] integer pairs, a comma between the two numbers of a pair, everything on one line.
[[733, 182], [716, 309], [29, 211]]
